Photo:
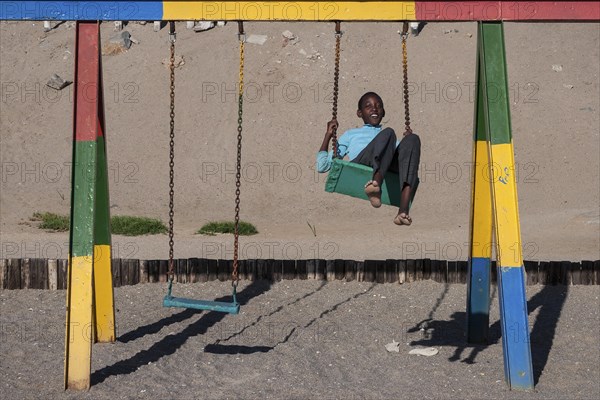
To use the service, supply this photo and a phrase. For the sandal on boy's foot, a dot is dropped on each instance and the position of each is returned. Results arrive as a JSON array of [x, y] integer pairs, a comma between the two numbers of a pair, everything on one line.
[[373, 192], [402, 219]]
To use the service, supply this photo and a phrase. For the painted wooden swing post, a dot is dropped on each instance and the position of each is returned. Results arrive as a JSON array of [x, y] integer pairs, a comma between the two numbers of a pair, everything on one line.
[[495, 204], [479, 267], [90, 305]]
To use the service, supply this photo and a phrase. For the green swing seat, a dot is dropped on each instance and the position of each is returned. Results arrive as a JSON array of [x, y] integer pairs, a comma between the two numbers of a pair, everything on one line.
[[348, 178], [219, 306]]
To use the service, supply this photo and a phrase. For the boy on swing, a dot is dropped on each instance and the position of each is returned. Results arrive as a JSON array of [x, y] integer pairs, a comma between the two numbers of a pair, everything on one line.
[[377, 148]]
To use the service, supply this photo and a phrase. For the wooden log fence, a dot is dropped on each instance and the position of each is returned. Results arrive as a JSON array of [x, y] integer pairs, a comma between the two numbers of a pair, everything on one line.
[[38, 273]]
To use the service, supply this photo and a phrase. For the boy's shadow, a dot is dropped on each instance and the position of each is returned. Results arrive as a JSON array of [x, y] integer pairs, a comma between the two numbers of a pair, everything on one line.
[[452, 334], [550, 301]]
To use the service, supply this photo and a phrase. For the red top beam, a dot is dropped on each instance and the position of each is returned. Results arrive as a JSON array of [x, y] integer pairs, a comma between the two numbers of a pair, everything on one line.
[[507, 10]]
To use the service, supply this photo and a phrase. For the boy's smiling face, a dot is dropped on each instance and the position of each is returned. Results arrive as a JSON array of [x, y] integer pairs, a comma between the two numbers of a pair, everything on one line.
[[371, 110]]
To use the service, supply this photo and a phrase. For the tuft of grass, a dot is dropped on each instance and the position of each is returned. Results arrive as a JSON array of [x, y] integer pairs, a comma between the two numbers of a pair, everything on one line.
[[136, 226], [212, 228], [120, 225], [52, 222]]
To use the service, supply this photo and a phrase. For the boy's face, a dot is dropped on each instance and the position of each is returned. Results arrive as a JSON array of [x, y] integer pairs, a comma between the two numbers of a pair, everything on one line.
[[371, 110]]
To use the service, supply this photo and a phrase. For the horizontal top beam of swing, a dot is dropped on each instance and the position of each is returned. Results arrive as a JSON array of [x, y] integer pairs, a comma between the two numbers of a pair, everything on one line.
[[302, 10]]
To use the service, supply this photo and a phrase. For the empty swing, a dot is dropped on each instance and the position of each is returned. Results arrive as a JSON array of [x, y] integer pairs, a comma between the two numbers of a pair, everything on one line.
[[232, 307], [344, 175]]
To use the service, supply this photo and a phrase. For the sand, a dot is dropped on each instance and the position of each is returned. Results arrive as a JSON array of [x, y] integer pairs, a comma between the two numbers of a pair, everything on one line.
[[303, 340]]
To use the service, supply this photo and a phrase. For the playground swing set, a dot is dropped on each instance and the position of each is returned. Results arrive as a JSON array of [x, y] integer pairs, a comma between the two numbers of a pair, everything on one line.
[[494, 208]]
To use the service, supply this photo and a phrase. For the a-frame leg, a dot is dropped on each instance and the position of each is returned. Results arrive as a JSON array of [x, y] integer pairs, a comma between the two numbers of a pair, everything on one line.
[[511, 277], [103, 284], [90, 311], [478, 283]]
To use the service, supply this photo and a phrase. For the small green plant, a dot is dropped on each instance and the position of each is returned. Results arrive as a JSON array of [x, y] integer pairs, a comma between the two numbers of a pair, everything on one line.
[[120, 224], [51, 221], [212, 228], [136, 226]]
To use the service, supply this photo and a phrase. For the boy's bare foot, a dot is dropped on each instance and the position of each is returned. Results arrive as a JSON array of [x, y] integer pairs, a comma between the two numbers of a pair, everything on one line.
[[402, 219], [373, 192]]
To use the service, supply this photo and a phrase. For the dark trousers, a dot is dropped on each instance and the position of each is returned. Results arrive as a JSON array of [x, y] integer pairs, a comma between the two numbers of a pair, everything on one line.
[[382, 155]]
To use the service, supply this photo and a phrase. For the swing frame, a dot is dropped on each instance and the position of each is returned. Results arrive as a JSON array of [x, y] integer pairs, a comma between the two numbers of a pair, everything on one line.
[[89, 289]]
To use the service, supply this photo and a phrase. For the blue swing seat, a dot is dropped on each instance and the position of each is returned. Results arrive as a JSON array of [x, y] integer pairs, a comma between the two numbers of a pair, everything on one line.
[[348, 178], [220, 306]]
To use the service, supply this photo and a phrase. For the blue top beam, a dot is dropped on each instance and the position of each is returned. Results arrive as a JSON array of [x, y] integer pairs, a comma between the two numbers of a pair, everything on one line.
[[82, 10]]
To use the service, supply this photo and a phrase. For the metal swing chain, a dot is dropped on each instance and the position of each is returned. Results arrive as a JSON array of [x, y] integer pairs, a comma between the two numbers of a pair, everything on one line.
[[404, 36], [234, 275], [336, 78], [172, 151]]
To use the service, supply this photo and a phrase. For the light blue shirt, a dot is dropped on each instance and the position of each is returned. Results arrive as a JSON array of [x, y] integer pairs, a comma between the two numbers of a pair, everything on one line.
[[350, 144]]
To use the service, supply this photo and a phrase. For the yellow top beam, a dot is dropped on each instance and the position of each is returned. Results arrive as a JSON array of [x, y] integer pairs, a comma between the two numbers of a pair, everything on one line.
[[286, 11]]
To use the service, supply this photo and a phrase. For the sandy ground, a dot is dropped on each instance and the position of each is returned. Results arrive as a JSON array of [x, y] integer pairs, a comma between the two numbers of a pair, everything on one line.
[[303, 340], [555, 123]]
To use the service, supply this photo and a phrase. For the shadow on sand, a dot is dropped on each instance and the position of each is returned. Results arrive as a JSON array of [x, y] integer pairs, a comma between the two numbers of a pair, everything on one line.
[[170, 343], [550, 301]]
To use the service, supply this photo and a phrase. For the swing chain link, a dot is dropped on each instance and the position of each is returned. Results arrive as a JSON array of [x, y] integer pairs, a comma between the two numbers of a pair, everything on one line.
[[172, 151], [404, 36], [238, 173], [336, 78]]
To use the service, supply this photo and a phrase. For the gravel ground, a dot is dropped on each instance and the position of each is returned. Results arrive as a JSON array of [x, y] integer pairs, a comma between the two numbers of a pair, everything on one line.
[[300, 340]]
